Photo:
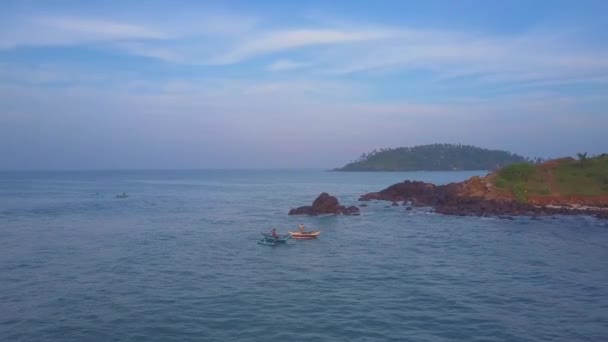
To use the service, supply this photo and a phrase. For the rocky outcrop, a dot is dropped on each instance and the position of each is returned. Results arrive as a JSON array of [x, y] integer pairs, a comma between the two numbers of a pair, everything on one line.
[[325, 204], [402, 192], [418, 194], [351, 210], [474, 197]]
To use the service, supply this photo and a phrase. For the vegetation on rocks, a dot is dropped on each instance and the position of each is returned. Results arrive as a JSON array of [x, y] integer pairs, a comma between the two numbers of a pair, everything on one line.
[[560, 177]]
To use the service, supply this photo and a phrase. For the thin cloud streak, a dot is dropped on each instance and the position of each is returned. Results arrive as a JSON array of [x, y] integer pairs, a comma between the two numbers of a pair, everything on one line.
[[336, 51], [281, 41], [42, 31], [285, 64]]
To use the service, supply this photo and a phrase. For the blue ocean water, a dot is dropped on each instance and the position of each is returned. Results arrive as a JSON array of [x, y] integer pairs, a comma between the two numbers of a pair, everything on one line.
[[178, 261]]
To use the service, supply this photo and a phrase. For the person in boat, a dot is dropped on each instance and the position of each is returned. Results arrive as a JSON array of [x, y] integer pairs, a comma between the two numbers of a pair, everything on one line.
[[274, 234], [301, 228]]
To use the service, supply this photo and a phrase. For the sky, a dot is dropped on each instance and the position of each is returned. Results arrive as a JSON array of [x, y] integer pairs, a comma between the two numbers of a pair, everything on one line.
[[285, 84]]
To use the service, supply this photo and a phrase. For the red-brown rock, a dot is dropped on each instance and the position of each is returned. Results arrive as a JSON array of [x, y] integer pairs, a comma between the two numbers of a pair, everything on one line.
[[325, 204]]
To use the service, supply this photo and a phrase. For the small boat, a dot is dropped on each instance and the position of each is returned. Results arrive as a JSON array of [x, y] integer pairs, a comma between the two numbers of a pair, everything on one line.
[[123, 195], [305, 235], [279, 238], [270, 241]]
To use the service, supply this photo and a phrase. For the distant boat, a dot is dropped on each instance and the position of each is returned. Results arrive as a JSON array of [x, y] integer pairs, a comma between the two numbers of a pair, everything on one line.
[[96, 195], [123, 195]]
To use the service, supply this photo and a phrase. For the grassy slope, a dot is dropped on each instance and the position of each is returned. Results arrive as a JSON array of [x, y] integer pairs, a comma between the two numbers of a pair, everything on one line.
[[566, 177]]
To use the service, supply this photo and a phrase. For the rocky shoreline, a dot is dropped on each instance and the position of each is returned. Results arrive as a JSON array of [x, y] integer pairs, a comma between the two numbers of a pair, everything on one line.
[[458, 199], [561, 186], [455, 199]]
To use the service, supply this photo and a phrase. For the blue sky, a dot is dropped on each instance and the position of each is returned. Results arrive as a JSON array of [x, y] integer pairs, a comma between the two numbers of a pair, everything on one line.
[[191, 84]]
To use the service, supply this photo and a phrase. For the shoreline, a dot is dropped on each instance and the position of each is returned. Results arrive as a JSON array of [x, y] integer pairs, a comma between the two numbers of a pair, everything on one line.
[[457, 199]]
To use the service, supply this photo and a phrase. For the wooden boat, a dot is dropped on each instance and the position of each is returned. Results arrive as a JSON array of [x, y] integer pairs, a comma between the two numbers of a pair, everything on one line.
[[305, 235]]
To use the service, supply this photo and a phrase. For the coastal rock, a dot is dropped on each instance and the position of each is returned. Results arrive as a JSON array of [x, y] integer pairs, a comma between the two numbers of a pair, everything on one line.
[[325, 204], [405, 191], [351, 210], [304, 210]]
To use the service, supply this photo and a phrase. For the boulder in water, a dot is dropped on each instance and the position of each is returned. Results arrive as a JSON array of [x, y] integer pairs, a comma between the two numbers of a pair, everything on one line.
[[325, 204]]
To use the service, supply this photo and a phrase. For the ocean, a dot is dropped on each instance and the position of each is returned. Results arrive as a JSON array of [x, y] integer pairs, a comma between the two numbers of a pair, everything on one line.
[[177, 260]]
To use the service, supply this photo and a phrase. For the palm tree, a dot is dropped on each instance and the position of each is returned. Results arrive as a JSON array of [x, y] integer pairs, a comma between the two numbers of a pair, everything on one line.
[[582, 158]]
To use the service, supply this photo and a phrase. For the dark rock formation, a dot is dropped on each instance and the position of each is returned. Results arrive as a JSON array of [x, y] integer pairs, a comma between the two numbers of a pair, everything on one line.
[[325, 204], [304, 210], [351, 210], [453, 199], [363, 205], [400, 192]]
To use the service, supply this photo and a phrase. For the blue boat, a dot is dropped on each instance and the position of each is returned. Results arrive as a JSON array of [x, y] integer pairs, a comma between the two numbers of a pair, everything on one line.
[[280, 238], [269, 240]]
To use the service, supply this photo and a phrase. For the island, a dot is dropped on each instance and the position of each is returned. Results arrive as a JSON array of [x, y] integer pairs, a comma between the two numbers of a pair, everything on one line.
[[435, 157], [560, 186]]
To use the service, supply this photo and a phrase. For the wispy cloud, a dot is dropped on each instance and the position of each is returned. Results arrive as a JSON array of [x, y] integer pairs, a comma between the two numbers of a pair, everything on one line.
[[100, 29], [533, 59], [285, 64], [276, 84], [53, 31], [277, 41]]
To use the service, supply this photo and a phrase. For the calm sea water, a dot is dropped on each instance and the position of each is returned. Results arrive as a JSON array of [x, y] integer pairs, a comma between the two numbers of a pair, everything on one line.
[[178, 261]]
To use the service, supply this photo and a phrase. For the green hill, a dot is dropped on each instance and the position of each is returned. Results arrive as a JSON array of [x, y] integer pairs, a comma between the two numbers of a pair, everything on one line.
[[564, 178], [436, 157]]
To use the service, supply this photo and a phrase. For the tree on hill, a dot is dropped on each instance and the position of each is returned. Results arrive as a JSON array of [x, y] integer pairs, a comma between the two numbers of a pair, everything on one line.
[[582, 158]]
